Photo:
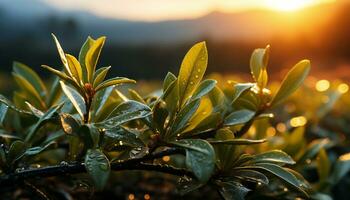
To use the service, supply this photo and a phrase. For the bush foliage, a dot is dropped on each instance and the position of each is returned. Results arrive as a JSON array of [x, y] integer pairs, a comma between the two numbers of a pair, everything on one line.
[[191, 128]]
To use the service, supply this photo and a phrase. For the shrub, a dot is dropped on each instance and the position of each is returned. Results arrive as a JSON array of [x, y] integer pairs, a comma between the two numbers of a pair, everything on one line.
[[190, 128]]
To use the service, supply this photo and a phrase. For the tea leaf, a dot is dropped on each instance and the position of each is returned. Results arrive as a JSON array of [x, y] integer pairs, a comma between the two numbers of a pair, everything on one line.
[[192, 71], [200, 157], [292, 81], [91, 57], [239, 117], [98, 167], [76, 99]]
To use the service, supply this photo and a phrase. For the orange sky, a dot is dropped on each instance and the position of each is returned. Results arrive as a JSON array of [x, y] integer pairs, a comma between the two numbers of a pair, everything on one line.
[[154, 10]]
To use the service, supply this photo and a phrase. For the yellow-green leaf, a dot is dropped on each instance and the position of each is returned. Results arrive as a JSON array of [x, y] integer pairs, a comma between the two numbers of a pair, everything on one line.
[[61, 75], [292, 81], [323, 165], [92, 56], [29, 89], [82, 54], [62, 55], [75, 68], [259, 61], [114, 81], [32, 77], [100, 75], [192, 71]]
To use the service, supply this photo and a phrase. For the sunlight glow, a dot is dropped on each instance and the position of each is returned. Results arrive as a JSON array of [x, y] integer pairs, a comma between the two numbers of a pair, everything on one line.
[[290, 5], [155, 10]]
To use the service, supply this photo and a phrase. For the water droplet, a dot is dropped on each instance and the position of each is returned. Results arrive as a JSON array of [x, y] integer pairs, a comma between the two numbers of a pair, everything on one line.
[[64, 163], [196, 76], [36, 166], [198, 70], [191, 83]]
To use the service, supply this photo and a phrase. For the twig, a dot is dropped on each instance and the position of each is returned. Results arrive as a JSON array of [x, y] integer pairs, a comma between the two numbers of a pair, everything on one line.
[[76, 168]]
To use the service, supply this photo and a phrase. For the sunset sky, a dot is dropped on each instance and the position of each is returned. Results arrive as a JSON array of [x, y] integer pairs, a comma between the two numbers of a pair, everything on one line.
[[154, 10]]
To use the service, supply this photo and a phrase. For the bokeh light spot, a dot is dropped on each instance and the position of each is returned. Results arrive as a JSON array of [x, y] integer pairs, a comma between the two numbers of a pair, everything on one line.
[[298, 121], [322, 85], [343, 88]]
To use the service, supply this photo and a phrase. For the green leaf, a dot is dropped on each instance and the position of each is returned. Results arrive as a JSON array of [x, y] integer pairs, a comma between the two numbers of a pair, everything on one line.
[[171, 97], [55, 92], [37, 150], [122, 136], [49, 115], [209, 123], [92, 55], [204, 88], [98, 167], [113, 81], [136, 96], [100, 75], [274, 156], [16, 151], [169, 78], [233, 190], [76, 99], [200, 157], [323, 165], [29, 89], [218, 100], [239, 117], [321, 196], [313, 148], [236, 141], [251, 175], [341, 168], [184, 116], [240, 88], [8, 103], [82, 54], [89, 136], [281, 173], [192, 71], [3, 112], [292, 81], [125, 112], [34, 110], [160, 114], [226, 155], [30, 76], [186, 185], [102, 98], [60, 74]]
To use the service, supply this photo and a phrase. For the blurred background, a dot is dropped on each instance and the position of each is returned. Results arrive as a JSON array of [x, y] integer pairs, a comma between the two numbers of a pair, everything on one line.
[[147, 38]]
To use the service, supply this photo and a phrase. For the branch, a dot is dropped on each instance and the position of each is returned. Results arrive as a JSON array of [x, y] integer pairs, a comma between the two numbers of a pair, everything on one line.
[[76, 168]]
